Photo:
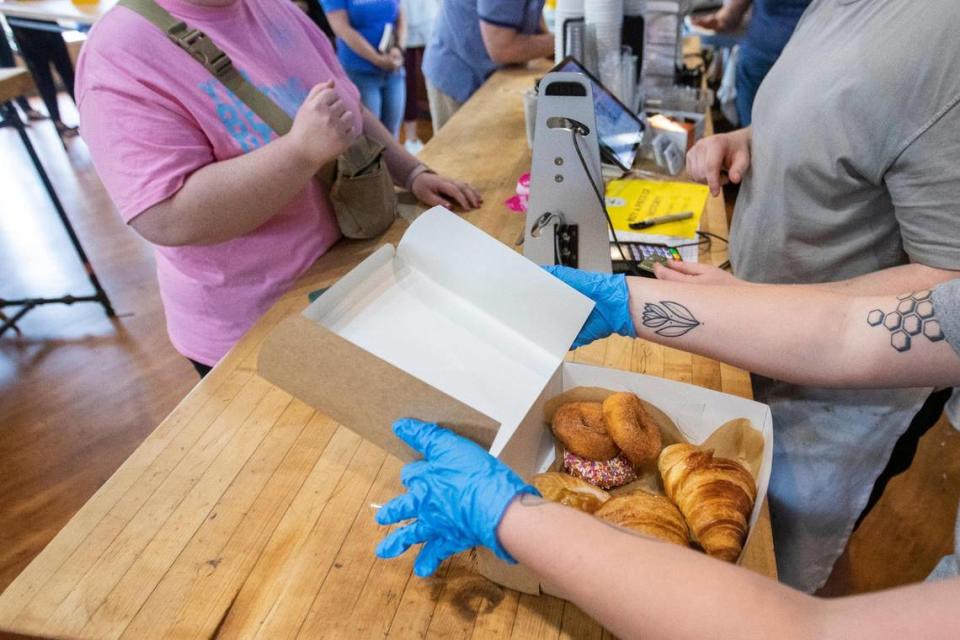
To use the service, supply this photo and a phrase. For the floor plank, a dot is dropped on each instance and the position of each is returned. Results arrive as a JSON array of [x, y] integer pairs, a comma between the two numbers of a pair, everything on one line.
[[78, 393], [911, 527], [145, 469]]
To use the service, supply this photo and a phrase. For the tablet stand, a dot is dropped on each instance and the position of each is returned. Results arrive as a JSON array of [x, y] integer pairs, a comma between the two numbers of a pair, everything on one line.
[[565, 223]]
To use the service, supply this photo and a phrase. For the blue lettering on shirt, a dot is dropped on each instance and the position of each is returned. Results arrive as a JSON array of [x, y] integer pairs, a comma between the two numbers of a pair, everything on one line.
[[246, 128]]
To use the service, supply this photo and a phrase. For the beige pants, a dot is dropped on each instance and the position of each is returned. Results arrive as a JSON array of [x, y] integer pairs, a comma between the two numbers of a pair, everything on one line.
[[442, 106]]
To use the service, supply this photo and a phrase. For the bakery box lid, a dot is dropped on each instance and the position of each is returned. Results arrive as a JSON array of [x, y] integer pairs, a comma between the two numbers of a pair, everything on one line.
[[451, 325]]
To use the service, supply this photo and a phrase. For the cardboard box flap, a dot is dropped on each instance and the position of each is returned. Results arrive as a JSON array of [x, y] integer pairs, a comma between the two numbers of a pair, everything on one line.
[[358, 389], [495, 279], [459, 311]]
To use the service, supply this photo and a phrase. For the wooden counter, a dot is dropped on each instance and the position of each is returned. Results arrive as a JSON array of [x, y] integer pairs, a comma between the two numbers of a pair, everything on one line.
[[246, 514]]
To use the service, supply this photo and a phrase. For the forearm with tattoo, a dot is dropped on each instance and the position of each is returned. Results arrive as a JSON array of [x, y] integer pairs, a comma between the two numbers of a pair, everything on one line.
[[913, 315], [803, 335]]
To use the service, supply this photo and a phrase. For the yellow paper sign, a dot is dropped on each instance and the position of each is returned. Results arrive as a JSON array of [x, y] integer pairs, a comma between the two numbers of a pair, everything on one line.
[[633, 201]]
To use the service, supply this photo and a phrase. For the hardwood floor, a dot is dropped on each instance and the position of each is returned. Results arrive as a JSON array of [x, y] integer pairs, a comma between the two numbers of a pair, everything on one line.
[[911, 528], [78, 393]]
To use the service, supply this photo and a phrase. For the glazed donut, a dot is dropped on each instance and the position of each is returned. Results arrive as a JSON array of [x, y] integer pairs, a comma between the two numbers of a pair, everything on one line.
[[579, 428], [631, 427], [573, 492], [606, 474]]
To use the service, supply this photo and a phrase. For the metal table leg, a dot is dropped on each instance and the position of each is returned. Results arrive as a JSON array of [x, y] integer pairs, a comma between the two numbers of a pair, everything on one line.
[[12, 118]]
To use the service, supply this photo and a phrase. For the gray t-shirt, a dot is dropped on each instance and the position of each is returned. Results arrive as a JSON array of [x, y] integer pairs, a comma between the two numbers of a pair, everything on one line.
[[946, 304], [855, 168], [856, 146]]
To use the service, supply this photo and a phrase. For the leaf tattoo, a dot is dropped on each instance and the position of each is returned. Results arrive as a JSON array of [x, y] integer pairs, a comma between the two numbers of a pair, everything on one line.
[[670, 319]]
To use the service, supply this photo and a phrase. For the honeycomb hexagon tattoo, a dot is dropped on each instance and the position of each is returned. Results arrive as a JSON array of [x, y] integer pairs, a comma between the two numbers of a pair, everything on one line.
[[914, 315]]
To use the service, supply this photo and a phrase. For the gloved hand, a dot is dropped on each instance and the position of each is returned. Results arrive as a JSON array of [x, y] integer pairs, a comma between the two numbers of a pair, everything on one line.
[[612, 311], [456, 495]]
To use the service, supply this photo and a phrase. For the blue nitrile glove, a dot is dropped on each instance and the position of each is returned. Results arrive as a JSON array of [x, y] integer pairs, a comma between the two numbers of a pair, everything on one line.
[[611, 296], [456, 496]]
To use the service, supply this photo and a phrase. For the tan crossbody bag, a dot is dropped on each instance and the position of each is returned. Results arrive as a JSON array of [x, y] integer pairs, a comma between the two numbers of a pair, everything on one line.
[[358, 181]]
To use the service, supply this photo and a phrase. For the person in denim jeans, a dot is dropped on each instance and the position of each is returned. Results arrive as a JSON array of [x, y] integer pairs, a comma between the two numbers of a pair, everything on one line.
[[379, 75], [474, 38], [770, 28]]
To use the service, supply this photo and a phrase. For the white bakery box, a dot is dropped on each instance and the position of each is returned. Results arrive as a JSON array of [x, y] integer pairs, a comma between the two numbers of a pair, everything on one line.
[[452, 326]]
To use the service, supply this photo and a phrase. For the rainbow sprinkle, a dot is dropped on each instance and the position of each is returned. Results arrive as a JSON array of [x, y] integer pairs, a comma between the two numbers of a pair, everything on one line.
[[605, 474]]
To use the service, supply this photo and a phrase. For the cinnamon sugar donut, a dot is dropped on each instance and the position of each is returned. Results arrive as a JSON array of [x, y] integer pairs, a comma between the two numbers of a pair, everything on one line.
[[579, 427], [631, 427]]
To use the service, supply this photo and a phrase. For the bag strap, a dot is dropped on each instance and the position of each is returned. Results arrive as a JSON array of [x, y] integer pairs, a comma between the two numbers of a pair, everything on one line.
[[205, 51]]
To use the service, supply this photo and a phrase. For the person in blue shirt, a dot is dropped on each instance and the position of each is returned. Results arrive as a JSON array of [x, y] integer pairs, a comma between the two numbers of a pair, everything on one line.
[[379, 75], [472, 39], [767, 34]]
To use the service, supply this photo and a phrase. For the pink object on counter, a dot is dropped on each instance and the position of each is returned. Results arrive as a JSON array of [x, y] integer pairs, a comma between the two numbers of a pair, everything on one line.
[[519, 202]]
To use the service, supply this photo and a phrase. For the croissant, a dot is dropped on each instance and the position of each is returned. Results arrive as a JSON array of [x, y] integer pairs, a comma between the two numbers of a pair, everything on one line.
[[573, 492], [715, 495], [651, 515]]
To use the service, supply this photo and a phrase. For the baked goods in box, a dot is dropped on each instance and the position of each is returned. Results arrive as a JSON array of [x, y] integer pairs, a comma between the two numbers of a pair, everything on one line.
[[565, 489], [607, 474], [712, 486], [651, 515], [579, 427], [715, 495], [631, 427]]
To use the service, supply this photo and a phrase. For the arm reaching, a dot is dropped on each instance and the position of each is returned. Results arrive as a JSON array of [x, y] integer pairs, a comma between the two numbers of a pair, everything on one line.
[[225, 200], [666, 591], [407, 172], [721, 158], [890, 281], [727, 19], [805, 335], [459, 496], [661, 590], [508, 46]]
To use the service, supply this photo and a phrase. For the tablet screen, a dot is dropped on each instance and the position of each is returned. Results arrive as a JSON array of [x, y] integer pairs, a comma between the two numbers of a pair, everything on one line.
[[620, 131]]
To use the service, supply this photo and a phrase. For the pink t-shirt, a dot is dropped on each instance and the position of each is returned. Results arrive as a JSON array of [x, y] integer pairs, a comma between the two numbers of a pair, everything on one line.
[[152, 116]]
